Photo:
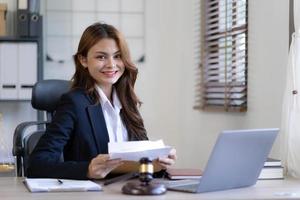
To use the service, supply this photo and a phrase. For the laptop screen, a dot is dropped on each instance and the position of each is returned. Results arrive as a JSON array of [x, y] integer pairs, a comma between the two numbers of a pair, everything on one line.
[[236, 160]]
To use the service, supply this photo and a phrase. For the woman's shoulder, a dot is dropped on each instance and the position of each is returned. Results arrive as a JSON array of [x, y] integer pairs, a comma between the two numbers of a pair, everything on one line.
[[74, 101], [77, 94]]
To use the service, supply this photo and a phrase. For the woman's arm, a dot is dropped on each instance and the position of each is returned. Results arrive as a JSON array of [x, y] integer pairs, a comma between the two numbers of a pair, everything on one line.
[[45, 160]]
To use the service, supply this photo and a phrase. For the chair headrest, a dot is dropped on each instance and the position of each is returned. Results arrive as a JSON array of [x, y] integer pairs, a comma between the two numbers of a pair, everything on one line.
[[46, 94]]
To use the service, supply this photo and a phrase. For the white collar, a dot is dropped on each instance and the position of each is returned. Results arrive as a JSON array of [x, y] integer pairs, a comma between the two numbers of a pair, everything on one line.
[[105, 101]]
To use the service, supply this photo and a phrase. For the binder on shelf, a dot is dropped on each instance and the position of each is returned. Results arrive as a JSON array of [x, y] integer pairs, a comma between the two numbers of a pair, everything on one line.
[[8, 71], [35, 25], [34, 6], [35, 19], [22, 23], [29, 21], [18, 70], [27, 69], [23, 18]]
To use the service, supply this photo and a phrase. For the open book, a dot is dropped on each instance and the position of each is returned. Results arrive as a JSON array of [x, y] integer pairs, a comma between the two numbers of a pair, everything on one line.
[[60, 185]]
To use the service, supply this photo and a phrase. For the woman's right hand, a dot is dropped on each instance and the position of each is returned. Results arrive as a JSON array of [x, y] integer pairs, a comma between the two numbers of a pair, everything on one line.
[[101, 165]]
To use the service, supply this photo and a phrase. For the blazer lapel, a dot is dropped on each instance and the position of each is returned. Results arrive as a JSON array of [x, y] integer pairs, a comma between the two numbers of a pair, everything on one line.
[[99, 127]]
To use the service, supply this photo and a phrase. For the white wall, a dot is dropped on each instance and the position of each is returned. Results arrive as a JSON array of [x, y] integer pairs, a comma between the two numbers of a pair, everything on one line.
[[166, 82]]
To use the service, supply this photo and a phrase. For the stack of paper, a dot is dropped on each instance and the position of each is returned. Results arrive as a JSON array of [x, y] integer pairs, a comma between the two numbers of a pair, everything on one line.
[[135, 150], [60, 185]]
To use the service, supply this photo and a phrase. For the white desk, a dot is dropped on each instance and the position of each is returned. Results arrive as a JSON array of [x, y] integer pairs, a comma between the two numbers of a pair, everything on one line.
[[12, 188]]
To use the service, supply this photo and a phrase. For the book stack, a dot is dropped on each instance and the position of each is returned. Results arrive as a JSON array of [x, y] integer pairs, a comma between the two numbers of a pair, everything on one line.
[[184, 173], [272, 170]]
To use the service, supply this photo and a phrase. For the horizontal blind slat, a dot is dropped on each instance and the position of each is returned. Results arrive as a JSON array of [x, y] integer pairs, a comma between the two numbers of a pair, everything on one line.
[[214, 12]]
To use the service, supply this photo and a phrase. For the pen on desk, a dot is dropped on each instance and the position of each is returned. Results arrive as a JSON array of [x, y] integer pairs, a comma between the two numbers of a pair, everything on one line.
[[60, 181]]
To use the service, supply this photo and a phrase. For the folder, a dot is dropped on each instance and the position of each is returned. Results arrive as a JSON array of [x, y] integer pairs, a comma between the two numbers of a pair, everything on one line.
[[22, 22], [27, 69], [8, 70], [22, 18], [34, 6], [35, 25]]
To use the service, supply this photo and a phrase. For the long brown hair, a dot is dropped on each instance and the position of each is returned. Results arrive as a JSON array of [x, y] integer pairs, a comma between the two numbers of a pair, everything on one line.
[[124, 86]]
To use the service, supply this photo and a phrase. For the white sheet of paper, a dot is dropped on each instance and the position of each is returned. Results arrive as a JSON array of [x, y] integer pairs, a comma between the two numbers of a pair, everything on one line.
[[135, 150]]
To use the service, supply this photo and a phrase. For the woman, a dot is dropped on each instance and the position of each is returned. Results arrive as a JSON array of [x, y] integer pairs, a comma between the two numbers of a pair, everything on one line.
[[101, 107]]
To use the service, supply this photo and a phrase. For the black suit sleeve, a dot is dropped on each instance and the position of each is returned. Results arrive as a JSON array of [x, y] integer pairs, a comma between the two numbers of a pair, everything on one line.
[[45, 160]]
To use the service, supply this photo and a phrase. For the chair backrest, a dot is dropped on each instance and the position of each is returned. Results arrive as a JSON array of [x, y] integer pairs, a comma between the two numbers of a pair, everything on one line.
[[45, 97]]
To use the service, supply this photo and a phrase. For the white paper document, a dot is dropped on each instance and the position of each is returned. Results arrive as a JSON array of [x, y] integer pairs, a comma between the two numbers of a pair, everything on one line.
[[135, 150], [60, 185]]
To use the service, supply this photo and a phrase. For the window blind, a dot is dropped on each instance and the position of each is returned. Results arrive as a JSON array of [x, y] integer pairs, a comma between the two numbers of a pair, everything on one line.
[[223, 59]]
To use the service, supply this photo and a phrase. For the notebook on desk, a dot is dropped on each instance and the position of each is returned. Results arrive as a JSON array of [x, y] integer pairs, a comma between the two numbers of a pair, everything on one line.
[[236, 161], [60, 185]]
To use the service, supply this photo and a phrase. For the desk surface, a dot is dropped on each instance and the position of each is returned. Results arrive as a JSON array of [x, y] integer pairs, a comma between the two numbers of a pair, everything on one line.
[[12, 188]]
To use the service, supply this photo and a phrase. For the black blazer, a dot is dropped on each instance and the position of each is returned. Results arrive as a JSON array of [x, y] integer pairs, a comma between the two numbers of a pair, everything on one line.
[[78, 130]]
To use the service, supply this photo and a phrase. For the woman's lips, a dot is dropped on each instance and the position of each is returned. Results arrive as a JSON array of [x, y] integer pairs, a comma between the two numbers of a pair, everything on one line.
[[109, 73]]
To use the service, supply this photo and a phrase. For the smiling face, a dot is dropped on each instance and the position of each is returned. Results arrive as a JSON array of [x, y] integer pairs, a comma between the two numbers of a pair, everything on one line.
[[104, 63]]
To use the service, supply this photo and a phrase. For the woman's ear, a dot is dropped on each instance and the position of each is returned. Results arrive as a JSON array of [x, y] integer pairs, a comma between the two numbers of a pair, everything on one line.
[[83, 61]]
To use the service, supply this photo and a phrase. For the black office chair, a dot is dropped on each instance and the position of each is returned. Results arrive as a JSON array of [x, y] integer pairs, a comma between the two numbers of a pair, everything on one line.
[[45, 97]]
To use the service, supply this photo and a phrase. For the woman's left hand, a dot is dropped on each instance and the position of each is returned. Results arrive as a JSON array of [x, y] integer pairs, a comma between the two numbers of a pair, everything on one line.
[[166, 162]]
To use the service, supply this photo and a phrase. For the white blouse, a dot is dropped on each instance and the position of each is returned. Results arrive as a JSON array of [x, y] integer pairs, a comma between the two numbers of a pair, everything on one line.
[[117, 131]]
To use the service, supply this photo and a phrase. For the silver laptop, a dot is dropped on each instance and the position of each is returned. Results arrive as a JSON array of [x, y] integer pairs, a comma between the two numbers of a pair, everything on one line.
[[236, 161]]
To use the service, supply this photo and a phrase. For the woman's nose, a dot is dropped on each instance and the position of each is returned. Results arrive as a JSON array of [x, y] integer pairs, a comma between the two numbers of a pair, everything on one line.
[[111, 62]]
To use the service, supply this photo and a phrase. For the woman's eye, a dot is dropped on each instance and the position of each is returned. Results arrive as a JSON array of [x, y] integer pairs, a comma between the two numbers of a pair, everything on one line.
[[118, 56], [101, 57]]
